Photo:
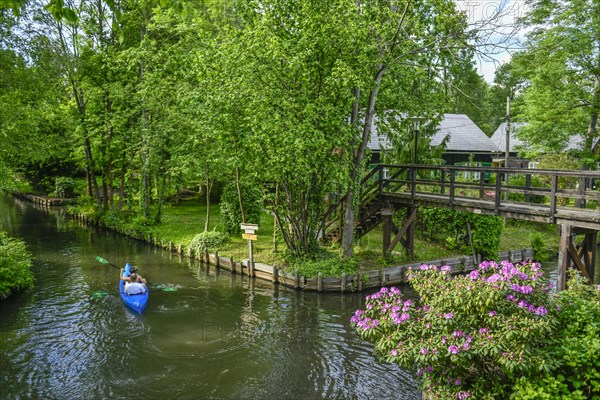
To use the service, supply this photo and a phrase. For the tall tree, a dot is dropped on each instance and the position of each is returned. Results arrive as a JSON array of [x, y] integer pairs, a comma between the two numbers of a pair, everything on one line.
[[295, 68], [33, 116], [409, 42], [562, 69]]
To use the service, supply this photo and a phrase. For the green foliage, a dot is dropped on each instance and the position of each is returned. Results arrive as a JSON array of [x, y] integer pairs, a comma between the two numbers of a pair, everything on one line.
[[548, 388], [559, 161], [208, 241], [520, 180], [130, 223], [64, 187], [485, 230], [574, 346], [230, 206], [559, 68], [15, 265], [496, 333], [328, 265], [540, 250]]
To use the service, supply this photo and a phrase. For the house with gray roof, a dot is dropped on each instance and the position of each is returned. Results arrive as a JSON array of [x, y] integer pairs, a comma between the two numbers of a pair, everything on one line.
[[576, 142], [466, 141]]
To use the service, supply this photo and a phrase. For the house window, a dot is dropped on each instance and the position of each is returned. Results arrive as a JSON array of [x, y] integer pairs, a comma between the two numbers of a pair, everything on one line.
[[470, 175]]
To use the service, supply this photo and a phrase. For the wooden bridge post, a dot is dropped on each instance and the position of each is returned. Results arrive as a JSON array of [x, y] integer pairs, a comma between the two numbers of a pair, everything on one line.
[[410, 232], [388, 228], [563, 256], [590, 248], [581, 256]]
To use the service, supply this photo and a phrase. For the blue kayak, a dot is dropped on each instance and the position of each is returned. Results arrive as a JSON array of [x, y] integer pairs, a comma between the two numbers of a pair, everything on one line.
[[136, 302]]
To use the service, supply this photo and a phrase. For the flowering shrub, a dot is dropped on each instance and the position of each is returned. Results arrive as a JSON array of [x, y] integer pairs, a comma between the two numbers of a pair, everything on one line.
[[575, 347], [468, 336]]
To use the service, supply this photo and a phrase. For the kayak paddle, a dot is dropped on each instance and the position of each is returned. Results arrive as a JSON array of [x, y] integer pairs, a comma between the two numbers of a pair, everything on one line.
[[155, 287], [103, 261]]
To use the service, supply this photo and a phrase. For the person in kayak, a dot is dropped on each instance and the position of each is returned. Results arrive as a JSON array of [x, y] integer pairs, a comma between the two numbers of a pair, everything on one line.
[[134, 286], [133, 270]]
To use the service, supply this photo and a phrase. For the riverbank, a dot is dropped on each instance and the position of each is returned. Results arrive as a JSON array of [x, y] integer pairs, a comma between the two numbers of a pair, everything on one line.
[[181, 222]]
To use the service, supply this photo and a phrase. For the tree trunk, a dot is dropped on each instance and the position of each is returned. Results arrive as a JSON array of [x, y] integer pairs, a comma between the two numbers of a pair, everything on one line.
[[348, 226], [209, 184], [593, 127], [161, 183], [239, 190], [121, 188], [145, 200], [275, 221], [108, 201]]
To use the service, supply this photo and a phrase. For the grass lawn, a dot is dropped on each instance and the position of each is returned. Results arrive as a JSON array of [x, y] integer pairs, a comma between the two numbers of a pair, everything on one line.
[[181, 222]]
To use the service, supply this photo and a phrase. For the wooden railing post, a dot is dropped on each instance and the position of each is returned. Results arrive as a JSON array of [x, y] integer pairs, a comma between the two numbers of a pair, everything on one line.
[[413, 185], [452, 178], [553, 191], [527, 188], [443, 181], [498, 192], [481, 184], [580, 201]]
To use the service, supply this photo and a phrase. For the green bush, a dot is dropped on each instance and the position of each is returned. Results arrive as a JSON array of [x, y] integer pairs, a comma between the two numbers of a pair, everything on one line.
[[573, 349], [15, 265], [139, 225], [486, 233], [539, 247], [330, 265], [112, 219], [230, 206], [486, 230], [64, 187], [122, 221], [209, 240]]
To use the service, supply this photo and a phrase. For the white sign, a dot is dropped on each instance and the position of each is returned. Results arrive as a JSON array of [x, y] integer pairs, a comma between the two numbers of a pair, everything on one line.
[[249, 228]]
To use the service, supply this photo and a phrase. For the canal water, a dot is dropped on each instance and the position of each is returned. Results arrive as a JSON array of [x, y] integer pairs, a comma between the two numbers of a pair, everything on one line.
[[219, 335]]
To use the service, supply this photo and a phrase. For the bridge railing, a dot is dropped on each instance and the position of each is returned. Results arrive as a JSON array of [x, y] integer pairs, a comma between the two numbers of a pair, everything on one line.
[[552, 188]]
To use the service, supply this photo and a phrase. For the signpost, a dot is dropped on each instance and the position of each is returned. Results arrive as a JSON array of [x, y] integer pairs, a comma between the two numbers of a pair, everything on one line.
[[249, 234]]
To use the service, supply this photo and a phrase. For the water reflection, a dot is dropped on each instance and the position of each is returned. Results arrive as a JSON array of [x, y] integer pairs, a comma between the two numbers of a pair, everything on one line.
[[219, 335]]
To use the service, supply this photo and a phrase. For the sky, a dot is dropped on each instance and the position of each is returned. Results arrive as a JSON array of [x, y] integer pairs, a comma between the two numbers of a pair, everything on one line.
[[497, 20]]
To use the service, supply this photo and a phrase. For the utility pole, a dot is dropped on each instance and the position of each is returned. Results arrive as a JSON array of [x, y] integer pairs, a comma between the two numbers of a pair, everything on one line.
[[507, 149]]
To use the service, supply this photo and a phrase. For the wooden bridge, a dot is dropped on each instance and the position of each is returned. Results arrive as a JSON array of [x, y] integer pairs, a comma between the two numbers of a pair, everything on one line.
[[568, 199]]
